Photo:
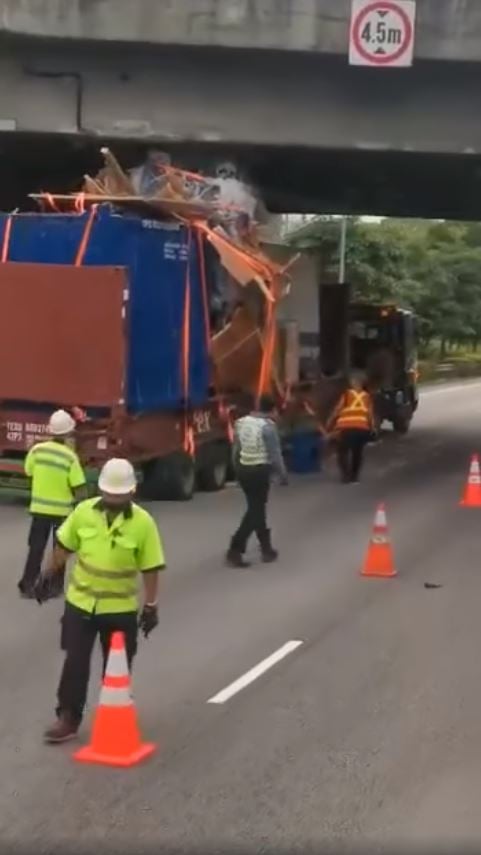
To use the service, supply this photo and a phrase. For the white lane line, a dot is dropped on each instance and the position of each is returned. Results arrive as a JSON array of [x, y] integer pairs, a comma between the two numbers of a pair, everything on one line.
[[254, 673], [446, 389]]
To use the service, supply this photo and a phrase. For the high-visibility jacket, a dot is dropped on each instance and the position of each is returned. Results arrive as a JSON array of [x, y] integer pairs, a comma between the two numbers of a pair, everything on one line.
[[253, 450], [110, 555], [355, 411], [56, 472]]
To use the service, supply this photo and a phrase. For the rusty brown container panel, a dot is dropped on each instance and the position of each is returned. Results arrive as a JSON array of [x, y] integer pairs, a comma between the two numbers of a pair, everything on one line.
[[62, 339]]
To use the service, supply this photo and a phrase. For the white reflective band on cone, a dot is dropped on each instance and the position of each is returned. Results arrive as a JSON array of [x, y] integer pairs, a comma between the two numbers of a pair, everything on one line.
[[380, 520], [117, 664], [115, 697]]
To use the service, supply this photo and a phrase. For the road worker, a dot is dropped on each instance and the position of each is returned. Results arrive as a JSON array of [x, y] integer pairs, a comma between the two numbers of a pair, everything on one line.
[[256, 455], [57, 482], [114, 541], [353, 423]]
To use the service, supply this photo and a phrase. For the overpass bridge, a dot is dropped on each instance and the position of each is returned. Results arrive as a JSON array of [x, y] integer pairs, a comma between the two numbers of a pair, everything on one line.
[[264, 81]]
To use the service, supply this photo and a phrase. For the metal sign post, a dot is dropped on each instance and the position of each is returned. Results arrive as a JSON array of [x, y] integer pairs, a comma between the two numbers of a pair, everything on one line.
[[342, 251]]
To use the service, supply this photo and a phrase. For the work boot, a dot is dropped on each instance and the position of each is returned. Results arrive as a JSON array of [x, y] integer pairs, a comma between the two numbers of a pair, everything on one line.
[[269, 554], [63, 730], [234, 558]]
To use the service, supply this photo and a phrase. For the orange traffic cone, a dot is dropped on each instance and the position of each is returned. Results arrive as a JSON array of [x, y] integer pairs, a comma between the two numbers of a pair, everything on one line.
[[115, 737], [379, 558], [472, 491]]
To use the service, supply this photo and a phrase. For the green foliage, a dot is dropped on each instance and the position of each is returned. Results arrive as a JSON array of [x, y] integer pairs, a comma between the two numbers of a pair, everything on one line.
[[433, 268]]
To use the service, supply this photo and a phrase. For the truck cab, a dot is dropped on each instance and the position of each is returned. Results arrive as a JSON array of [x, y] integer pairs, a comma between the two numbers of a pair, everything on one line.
[[382, 344]]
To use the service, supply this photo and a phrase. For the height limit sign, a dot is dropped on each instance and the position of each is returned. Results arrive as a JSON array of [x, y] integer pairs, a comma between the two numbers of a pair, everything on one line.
[[382, 33]]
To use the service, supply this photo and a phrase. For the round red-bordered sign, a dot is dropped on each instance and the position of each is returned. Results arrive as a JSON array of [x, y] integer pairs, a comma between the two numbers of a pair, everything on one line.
[[388, 6]]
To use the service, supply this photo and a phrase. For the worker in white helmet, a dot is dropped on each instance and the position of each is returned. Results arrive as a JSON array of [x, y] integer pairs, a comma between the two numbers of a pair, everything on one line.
[[57, 482], [114, 541]]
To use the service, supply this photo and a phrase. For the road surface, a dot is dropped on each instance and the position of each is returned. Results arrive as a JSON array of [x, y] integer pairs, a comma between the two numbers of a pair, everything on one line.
[[368, 731]]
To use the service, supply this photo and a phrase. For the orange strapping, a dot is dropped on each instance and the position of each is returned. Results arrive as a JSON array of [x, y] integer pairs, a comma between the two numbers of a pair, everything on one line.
[[6, 239], [268, 352], [257, 266], [226, 416], [189, 440], [80, 203], [51, 201], [85, 237], [195, 176], [205, 296]]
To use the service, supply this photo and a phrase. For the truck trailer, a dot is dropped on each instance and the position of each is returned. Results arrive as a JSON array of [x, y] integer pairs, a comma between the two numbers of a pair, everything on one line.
[[105, 315]]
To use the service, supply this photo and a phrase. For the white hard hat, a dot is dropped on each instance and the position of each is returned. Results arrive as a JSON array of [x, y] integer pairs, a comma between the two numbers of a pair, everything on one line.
[[117, 477], [61, 423]]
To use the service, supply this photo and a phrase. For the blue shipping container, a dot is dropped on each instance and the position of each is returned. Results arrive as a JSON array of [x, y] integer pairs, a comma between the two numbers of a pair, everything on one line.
[[159, 258]]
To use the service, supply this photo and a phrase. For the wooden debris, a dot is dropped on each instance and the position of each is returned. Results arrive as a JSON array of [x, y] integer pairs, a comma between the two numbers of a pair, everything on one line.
[[114, 174], [175, 194]]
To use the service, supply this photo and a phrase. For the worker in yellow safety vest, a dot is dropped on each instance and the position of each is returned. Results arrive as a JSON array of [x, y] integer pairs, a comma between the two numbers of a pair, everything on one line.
[[353, 422], [57, 482], [114, 541]]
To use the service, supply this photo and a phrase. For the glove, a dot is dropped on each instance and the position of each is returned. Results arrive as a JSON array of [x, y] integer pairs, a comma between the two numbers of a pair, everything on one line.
[[148, 620], [43, 587]]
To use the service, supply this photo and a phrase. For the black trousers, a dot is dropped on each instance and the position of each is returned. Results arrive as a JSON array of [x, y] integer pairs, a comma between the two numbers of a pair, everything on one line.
[[255, 483], [350, 453], [79, 631], [42, 528]]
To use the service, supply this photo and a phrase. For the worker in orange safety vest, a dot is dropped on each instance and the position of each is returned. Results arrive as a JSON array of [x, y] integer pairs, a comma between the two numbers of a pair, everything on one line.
[[353, 424]]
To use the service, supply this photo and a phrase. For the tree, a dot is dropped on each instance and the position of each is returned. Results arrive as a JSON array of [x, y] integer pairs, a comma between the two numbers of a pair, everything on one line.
[[433, 268]]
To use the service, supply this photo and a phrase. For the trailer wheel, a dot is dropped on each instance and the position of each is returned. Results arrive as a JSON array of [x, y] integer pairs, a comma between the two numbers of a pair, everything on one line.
[[170, 478], [212, 476], [180, 477]]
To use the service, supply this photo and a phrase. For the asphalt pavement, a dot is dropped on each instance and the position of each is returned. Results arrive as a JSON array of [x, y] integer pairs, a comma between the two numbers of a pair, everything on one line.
[[294, 704]]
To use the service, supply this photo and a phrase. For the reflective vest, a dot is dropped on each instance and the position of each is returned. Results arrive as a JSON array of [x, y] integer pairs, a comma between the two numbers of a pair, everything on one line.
[[355, 412], [250, 433], [110, 557], [56, 472]]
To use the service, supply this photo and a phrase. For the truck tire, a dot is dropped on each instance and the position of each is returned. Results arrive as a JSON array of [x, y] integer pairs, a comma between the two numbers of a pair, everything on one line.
[[212, 476], [402, 421], [180, 477], [170, 478]]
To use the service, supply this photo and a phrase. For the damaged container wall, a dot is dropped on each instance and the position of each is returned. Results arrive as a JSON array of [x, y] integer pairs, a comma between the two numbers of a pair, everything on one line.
[[155, 256]]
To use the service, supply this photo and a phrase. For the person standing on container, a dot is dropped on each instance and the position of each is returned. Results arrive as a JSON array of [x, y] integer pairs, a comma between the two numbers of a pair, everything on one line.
[[115, 541], [57, 482], [354, 424], [256, 455]]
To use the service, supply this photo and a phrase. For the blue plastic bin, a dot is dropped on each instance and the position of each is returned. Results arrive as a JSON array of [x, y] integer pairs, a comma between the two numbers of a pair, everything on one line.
[[304, 452]]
